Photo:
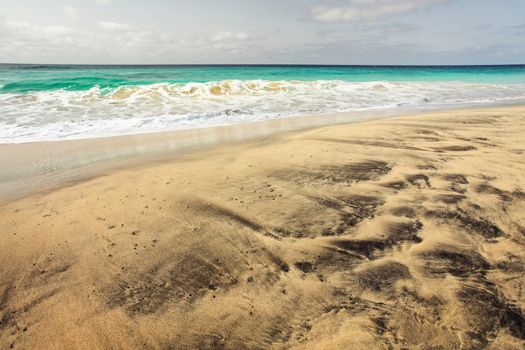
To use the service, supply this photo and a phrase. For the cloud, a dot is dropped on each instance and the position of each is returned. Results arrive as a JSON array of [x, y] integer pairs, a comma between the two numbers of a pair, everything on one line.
[[362, 10], [113, 26], [381, 30], [26, 42], [20, 29], [517, 29], [109, 41], [229, 36], [70, 12], [104, 2]]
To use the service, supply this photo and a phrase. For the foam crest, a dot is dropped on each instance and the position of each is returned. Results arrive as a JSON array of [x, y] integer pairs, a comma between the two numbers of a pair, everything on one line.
[[61, 114]]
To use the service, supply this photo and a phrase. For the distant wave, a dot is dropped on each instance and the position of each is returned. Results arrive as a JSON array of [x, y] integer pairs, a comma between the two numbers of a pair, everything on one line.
[[62, 114]]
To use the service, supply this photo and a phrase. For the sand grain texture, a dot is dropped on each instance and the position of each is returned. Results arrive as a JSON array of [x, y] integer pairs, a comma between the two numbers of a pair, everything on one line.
[[404, 233]]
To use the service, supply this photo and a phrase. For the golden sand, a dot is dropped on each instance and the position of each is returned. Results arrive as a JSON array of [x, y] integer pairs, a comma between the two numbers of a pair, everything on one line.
[[403, 233]]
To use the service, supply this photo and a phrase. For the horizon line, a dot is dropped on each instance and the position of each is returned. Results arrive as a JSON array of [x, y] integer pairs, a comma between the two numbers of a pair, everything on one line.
[[259, 65]]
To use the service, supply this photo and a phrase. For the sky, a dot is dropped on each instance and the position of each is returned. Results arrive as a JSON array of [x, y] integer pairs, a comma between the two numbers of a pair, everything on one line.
[[396, 32]]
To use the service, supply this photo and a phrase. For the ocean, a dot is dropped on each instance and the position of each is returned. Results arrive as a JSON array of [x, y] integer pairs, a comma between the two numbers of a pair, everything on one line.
[[56, 102]]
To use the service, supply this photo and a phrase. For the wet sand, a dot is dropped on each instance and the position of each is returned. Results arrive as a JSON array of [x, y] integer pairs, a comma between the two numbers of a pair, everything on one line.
[[42, 166], [402, 233]]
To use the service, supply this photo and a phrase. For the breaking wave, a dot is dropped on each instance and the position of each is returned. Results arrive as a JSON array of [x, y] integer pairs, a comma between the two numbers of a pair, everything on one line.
[[62, 114]]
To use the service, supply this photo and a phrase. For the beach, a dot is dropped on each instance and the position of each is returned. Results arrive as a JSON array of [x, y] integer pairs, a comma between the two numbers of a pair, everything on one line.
[[396, 233]]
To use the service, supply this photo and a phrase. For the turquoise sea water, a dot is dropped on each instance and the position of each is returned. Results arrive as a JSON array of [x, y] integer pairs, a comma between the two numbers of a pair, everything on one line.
[[29, 78], [49, 102]]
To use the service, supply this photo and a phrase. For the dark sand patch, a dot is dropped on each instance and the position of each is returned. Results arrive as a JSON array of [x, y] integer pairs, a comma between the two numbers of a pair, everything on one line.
[[382, 276], [358, 172], [456, 178], [404, 231], [419, 180], [480, 226], [450, 198], [489, 189], [407, 212], [363, 207], [456, 148], [332, 174], [395, 233], [456, 182], [362, 248], [487, 311], [352, 209], [460, 263], [184, 280], [511, 264], [336, 259], [397, 185], [426, 167], [305, 266]]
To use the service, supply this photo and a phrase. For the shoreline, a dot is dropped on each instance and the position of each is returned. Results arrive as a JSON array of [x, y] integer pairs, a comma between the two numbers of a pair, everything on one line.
[[303, 120], [39, 167]]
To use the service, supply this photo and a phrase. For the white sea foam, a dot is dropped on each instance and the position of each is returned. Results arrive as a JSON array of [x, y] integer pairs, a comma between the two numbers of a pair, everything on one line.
[[54, 115]]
